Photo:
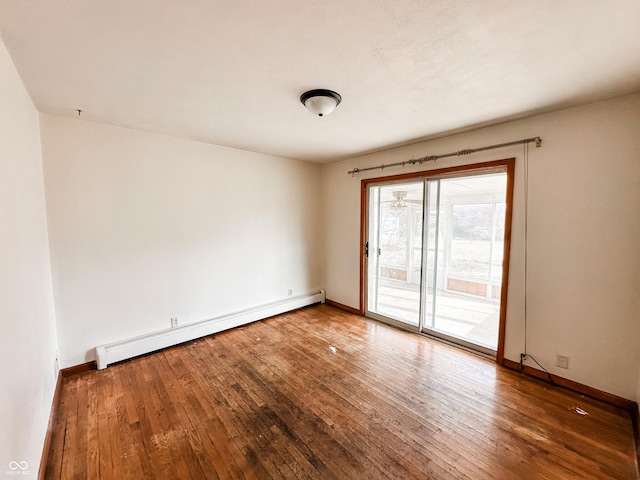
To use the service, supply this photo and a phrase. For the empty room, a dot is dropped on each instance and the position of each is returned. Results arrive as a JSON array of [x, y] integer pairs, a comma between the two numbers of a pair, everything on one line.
[[332, 240]]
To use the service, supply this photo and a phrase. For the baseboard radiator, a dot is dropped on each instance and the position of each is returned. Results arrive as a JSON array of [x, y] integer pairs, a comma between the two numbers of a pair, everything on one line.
[[133, 347]]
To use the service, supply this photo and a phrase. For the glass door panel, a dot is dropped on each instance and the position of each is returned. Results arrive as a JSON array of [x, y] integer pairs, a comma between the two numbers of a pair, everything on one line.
[[465, 238], [394, 262]]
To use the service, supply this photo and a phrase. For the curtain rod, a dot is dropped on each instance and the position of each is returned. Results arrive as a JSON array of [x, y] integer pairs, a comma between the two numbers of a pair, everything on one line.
[[459, 153]]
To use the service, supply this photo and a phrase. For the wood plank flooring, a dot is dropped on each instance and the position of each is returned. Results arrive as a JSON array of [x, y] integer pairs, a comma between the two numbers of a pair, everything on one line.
[[320, 393]]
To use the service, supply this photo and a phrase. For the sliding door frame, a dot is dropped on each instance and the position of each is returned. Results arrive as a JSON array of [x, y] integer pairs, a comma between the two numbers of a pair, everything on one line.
[[505, 165]]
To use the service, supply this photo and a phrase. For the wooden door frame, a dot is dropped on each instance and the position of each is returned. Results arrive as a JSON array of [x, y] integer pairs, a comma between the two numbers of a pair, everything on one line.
[[505, 165]]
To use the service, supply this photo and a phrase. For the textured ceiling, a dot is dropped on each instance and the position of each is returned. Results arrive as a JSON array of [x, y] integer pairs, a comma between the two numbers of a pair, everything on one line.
[[231, 72]]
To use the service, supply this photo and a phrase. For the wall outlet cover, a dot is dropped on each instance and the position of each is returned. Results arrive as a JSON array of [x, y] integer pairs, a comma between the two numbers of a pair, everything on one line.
[[562, 361]]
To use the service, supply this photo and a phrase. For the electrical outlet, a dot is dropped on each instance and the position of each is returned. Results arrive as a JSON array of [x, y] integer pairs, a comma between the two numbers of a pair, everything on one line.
[[562, 361], [174, 322], [290, 291]]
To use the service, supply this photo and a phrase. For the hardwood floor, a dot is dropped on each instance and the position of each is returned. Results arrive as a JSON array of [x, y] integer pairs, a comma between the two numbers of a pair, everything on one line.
[[320, 393]]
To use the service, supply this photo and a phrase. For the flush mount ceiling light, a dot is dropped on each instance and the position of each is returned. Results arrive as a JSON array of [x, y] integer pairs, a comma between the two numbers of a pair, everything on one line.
[[320, 102]]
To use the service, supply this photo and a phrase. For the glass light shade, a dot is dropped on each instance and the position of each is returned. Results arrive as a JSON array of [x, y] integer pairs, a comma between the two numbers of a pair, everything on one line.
[[320, 102], [320, 105]]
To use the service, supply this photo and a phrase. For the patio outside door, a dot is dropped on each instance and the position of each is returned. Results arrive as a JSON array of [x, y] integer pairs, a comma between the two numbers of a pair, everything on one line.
[[435, 256]]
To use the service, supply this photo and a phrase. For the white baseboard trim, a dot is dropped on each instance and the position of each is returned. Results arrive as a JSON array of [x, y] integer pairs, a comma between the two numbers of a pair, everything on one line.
[[133, 347]]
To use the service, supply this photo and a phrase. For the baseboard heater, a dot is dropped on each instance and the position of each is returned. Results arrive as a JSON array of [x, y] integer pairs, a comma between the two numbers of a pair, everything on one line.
[[133, 347]]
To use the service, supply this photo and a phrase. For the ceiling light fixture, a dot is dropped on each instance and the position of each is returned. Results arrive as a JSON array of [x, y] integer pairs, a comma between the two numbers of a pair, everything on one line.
[[399, 195], [320, 102]]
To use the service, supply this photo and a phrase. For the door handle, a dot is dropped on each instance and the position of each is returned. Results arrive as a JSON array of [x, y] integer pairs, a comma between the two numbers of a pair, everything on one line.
[[366, 249]]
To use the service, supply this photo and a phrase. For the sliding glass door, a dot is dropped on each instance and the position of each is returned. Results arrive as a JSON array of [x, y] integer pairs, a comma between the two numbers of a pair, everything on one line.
[[434, 255]]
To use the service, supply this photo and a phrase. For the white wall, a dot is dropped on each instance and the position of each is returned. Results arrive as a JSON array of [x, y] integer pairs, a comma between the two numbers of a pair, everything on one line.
[[144, 227], [28, 339], [584, 236]]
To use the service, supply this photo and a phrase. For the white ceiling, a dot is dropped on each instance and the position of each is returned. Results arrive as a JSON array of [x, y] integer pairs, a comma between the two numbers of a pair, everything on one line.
[[231, 72]]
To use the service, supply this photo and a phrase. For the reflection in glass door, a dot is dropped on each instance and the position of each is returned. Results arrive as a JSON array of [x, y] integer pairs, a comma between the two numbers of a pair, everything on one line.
[[435, 253]]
